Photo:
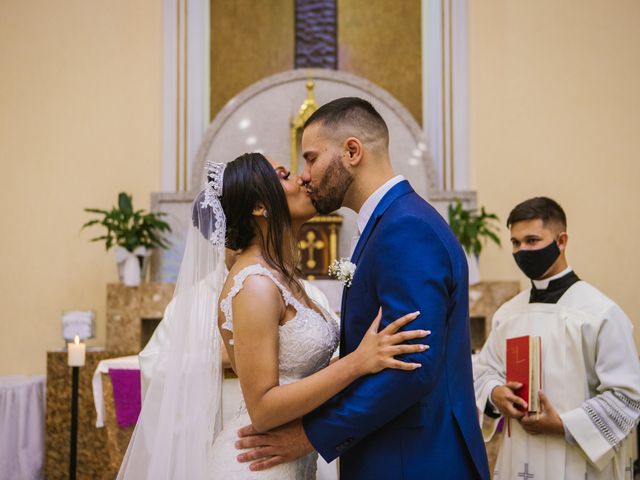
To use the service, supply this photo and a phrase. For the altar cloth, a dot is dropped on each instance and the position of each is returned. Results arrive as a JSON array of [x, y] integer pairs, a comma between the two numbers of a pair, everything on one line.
[[127, 363], [22, 403], [126, 395]]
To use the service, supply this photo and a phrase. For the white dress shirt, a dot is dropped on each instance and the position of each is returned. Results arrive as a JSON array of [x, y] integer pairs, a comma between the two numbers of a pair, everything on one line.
[[370, 205], [372, 202]]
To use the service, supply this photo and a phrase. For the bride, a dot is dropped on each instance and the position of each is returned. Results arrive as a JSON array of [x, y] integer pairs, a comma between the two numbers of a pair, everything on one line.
[[278, 340]]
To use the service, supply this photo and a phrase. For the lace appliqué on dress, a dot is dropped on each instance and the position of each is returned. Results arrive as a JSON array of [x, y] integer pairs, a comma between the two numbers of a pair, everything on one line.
[[238, 283], [304, 340]]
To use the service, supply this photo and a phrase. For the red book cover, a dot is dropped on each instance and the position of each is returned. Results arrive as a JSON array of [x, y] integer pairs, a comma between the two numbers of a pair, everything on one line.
[[518, 370]]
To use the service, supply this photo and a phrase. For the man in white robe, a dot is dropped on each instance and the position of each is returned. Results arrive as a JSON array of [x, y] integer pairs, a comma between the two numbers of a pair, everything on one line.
[[590, 369]]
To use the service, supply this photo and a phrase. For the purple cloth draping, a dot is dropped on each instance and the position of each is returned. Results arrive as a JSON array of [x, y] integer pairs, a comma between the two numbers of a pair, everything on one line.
[[126, 395]]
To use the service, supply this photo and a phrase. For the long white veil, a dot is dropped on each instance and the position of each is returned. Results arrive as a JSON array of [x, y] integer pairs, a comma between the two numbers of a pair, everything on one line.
[[181, 412]]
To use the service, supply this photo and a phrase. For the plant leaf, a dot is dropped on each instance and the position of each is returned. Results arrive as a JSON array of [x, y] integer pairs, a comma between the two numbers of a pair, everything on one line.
[[89, 223], [96, 210], [125, 203]]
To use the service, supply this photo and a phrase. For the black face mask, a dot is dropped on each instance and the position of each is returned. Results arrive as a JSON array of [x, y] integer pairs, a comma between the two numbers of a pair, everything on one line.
[[534, 263]]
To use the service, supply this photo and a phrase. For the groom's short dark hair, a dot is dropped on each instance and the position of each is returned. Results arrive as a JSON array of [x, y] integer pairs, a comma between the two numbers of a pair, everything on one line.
[[539, 208], [352, 112]]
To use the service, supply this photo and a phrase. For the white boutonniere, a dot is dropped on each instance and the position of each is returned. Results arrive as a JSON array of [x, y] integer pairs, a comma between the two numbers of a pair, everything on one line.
[[342, 269]]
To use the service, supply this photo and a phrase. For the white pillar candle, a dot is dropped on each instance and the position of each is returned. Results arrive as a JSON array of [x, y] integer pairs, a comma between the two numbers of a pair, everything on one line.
[[77, 352]]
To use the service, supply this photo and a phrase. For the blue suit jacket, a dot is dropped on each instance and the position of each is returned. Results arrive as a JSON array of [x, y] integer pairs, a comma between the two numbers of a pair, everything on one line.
[[398, 424]]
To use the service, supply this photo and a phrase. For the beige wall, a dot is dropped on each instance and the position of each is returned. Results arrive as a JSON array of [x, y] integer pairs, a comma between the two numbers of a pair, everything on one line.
[[555, 110], [80, 120]]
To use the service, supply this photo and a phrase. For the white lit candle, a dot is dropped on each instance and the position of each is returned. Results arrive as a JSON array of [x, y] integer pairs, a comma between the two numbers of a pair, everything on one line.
[[76, 353]]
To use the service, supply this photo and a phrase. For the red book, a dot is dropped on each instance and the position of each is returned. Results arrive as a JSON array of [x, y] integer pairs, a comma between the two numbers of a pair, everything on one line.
[[524, 365]]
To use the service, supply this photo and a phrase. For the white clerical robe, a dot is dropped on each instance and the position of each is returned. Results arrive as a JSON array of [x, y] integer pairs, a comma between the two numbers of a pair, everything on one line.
[[591, 375]]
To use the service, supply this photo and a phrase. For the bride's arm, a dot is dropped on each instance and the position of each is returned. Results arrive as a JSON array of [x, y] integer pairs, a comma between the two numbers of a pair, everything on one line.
[[257, 311]]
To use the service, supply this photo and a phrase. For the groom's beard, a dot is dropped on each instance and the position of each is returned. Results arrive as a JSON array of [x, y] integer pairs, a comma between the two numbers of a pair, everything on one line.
[[329, 194]]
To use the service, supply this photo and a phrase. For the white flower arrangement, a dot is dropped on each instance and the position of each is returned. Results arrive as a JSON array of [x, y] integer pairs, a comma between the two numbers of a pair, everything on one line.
[[342, 269]]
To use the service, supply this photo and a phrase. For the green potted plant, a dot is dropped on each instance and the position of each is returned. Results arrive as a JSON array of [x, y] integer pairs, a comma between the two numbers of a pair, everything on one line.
[[132, 234], [473, 230]]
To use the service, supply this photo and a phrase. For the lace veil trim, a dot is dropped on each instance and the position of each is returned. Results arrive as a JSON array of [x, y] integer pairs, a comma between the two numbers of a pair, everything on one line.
[[212, 194]]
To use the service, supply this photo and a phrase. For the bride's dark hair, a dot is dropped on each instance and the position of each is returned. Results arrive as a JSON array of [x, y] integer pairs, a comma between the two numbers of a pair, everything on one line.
[[250, 180]]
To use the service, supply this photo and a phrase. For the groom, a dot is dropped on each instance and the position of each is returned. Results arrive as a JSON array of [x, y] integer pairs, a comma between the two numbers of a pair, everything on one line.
[[394, 424]]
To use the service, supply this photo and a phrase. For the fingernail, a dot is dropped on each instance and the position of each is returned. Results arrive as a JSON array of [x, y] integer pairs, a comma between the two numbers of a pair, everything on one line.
[[428, 347], [417, 365], [423, 347], [424, 333], [428, 332], [417, 312]]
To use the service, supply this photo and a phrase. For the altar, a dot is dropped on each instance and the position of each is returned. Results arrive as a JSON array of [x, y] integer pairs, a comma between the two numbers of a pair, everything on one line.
[[109, 386], [102, 438]]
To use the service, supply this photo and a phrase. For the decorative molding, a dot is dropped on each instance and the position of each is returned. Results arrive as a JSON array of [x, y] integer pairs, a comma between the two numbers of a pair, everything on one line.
[[316, 34], [444, 72], [445, 89], [317, 74], [254, 112], [186, 88]]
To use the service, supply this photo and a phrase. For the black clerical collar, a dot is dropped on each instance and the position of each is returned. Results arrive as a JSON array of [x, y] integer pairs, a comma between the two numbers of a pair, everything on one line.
[[556, 288]]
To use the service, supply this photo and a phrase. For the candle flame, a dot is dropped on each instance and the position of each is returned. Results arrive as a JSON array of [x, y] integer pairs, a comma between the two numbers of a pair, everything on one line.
[[76, 340]]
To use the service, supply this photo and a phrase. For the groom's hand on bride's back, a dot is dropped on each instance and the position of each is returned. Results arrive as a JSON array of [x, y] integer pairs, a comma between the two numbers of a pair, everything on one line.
[[280, 445]]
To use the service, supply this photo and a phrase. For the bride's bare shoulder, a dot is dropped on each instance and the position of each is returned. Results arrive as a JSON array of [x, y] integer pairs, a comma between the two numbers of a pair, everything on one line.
[[254, 279]]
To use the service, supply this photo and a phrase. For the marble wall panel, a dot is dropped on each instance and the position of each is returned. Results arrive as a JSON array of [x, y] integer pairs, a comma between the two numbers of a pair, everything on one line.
[[380, 40], [127, 307], [92, 441], [249, 40], [485, 298]]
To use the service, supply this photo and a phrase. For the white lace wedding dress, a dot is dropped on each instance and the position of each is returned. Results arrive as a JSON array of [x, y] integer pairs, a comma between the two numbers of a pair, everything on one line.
[[307, 342]]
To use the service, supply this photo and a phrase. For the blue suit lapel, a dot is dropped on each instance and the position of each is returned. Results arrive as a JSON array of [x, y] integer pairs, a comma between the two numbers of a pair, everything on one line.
[[398, 190]]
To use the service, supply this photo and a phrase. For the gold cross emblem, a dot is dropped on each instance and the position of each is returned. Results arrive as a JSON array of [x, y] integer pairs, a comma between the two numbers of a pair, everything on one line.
[[310, 245]]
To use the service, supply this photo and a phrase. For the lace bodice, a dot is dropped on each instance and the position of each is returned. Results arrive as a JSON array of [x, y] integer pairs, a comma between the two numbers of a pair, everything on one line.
[[307, 341]]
